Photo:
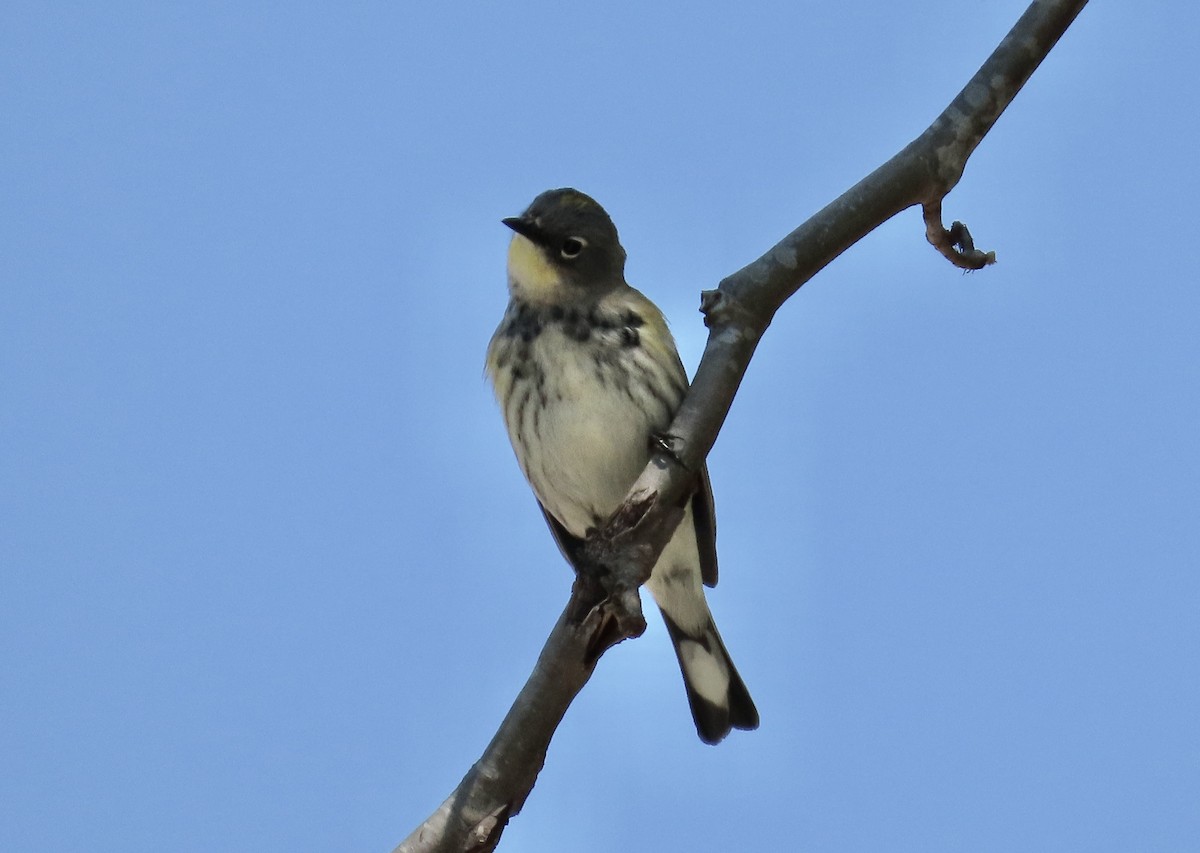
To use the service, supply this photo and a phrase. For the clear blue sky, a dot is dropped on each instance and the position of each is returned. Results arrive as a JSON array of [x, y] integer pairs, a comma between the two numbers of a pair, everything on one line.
[[270, 577]]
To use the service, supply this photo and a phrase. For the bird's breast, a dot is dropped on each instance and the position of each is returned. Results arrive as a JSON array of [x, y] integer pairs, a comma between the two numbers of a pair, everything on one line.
[[581, 399]]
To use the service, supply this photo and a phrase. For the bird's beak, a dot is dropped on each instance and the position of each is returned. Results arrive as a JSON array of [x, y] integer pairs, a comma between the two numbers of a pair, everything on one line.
[[526, 228]]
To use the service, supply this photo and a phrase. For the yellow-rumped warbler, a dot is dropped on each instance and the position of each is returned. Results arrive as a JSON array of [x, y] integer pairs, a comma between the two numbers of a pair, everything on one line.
[[587, 373]]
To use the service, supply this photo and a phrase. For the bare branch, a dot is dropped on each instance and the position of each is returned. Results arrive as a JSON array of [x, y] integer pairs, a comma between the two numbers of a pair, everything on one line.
[[604, 607], [495, 788]]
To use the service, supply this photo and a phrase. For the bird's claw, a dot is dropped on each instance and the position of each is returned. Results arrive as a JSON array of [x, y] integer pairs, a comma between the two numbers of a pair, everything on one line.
[[665, 443]]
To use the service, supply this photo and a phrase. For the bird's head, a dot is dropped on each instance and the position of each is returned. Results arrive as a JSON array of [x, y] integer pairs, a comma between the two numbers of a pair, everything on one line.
[[565, 250]]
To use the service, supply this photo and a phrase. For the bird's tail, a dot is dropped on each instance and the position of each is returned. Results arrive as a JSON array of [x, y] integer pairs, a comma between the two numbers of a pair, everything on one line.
[[716, 693]]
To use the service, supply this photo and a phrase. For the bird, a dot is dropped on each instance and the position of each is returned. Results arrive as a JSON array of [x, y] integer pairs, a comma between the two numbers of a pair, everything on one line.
[[587, 377]]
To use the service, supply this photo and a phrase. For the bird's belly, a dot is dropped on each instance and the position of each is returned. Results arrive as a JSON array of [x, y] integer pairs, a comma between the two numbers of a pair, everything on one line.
[[594, 441]]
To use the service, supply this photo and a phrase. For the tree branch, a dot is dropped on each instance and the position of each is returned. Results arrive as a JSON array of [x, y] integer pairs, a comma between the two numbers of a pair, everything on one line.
[[604, 607]]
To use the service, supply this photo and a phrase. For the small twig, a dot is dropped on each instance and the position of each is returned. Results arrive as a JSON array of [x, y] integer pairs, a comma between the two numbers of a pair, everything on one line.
[[956, 244]]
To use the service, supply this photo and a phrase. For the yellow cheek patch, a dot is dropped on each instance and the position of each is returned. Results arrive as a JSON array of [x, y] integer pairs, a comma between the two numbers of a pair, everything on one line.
[[530, 275]]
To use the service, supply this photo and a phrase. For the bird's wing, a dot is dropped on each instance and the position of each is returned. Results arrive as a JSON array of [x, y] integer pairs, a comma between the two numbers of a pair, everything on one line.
[[704, 516], [568, 544]]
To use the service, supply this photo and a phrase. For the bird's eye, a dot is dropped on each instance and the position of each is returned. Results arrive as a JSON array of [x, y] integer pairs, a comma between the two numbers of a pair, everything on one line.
[[572, 246]]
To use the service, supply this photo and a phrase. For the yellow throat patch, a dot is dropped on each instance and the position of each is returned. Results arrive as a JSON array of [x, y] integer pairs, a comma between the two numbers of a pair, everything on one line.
[[530, 275]]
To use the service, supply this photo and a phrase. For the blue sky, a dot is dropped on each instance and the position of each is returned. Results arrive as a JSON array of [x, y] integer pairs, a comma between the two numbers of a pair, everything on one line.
[[270, 577]]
